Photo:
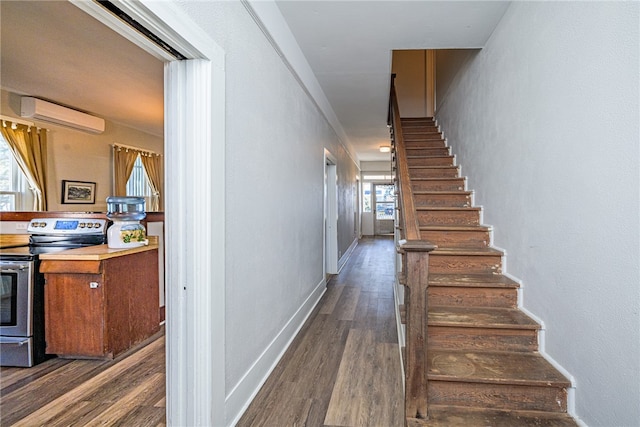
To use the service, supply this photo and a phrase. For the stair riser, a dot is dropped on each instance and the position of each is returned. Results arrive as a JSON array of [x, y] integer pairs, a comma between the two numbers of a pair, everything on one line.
[[420, 127], [424, 142], [430, 143], [477, 339], [420, 131], [451, 184], [416, 120], [455, 296], [431, 161], [433, 172], [461, 200], [461, 217], [457, 239], [439, 151], [498, 396], [421, 123], [465, 264]]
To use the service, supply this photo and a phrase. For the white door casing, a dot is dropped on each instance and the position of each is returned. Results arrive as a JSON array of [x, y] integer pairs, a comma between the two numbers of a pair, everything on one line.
[[194, 159], [330, 214]]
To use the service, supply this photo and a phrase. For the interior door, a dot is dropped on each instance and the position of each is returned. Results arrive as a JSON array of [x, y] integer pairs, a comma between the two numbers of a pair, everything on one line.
[[384, 202]]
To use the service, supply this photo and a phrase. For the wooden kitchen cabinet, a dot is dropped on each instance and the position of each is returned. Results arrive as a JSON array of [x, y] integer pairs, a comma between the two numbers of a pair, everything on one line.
[[100, 306]]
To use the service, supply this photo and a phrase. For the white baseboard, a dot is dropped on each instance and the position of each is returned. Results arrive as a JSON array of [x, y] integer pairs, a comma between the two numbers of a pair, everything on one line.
[[239, 398], [345, 257], [571, 390]]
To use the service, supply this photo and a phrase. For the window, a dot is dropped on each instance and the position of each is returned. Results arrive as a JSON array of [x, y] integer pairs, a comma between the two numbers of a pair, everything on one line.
[[138, 183], [377, 177], [12, 180], [385, 201], [366, 197]]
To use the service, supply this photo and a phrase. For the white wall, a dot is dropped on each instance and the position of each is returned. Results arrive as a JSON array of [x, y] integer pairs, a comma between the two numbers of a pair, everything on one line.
[[544, 121], [275, 141]]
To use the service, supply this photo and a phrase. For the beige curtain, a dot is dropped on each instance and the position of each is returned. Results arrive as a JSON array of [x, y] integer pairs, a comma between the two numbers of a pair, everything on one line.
[[123, 160], [153, 167], [29, 147]]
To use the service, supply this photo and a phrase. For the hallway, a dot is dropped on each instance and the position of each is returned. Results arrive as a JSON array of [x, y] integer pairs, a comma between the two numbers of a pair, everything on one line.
[[343, 368]]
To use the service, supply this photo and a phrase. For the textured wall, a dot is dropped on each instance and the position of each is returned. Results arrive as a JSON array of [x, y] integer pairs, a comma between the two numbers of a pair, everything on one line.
[[275, 141], [544, 121]]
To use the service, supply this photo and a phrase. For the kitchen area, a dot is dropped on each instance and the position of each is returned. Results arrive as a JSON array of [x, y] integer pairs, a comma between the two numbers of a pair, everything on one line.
[[64, 239], [74, 306], [70, 292]]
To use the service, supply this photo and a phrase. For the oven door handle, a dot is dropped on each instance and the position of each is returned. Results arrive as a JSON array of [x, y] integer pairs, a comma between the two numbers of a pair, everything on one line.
[[8, 271], [14, 341]]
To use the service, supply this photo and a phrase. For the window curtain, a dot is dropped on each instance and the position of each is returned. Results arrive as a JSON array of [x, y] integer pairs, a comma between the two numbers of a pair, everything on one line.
[[153, 167], [29, 147], [123, 160]]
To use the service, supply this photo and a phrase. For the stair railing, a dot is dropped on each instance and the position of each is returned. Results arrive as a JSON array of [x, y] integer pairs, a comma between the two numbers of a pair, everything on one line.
[[414, 275]]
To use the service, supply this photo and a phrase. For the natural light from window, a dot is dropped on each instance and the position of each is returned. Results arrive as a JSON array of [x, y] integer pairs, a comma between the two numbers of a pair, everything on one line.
[[138, 183], [12, 182]]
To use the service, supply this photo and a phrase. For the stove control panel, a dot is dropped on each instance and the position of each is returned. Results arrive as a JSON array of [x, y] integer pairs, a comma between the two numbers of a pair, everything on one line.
[[67, 226]]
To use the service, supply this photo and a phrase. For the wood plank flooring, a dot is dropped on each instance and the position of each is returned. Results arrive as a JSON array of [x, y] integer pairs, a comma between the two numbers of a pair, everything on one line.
[[129, 390], [343, 369]]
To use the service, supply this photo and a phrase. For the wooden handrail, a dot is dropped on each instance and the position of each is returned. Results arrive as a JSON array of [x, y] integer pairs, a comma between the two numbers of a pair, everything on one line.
[[408, 211], [415, 274]]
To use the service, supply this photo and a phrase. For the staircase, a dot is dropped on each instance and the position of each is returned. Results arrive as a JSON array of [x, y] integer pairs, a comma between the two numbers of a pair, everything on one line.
[[482, 364]]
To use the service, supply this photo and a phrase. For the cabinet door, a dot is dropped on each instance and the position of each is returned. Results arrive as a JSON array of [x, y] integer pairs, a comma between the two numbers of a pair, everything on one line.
[[74, 313], [132, 299]]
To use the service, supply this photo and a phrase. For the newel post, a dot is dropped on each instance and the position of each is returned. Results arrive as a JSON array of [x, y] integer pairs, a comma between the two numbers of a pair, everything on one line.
[[415, 264]]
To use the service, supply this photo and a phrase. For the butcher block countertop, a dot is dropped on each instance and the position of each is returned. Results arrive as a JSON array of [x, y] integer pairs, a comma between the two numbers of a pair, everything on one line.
[[11, 240], [98, 252]]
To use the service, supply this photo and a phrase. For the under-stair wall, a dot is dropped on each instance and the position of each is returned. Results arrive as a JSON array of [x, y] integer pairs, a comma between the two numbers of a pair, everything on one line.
[[544, 121]]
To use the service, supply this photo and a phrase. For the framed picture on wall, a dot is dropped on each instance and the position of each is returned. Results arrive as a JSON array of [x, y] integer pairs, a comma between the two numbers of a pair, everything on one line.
[[78, 192]]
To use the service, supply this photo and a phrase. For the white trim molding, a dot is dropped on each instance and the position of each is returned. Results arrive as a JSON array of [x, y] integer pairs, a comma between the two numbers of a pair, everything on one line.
[[195, 206], [245, 390]]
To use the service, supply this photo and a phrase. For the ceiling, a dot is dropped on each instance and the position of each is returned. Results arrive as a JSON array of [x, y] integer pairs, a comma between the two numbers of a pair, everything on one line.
[[53, 50]]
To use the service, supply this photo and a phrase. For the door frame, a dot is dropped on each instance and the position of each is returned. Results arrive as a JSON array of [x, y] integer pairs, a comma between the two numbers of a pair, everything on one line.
[[374, 207], [195, 285], [330, 231]]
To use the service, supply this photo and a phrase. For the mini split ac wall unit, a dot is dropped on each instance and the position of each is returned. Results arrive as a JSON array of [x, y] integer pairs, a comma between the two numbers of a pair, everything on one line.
[[49, 112]]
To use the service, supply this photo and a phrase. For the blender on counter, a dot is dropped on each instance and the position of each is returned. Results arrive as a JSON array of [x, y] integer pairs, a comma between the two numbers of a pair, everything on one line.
[[126, 231]]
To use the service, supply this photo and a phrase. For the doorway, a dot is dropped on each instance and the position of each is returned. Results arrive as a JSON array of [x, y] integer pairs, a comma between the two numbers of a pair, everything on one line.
[[384, 208], [330, 215], [195, 143]]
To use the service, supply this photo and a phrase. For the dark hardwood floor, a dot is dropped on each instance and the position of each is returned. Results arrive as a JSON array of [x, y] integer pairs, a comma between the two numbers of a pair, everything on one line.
[[343, 369]]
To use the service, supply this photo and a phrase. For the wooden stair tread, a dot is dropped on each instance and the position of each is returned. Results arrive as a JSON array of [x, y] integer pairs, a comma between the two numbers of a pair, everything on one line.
[[481, 317], [458, 416], [472, 280], [435, 167], [445, 228], [447, 208], [429, 179], [513, 368], [466, 251], [432, 157], [442, 193], [409, 149]]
